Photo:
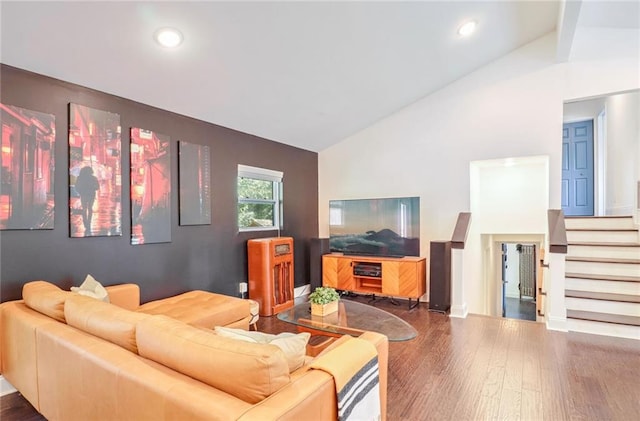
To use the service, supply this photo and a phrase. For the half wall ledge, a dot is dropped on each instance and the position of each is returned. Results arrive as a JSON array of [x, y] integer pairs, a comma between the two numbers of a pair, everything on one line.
[[557, 231], [461, 230]]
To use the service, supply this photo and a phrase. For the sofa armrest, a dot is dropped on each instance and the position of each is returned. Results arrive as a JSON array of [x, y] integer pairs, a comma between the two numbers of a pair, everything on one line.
[[314, 392], [1, 335], [126, 296], [381, 343]]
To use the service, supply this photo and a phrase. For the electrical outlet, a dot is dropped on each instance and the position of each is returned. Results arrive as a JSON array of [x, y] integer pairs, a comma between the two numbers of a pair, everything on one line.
[[242, 287]]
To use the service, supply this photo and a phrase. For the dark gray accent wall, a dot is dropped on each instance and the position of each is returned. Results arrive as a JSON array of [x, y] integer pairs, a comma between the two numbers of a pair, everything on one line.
[[208, 257]]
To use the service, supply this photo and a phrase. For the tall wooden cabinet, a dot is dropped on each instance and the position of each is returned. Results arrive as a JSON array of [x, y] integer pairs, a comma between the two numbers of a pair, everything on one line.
[[399, 277], [271, 273]]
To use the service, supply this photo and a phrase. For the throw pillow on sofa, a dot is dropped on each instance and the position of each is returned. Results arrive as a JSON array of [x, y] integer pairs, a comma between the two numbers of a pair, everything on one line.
[[293, 345], [92, 288]]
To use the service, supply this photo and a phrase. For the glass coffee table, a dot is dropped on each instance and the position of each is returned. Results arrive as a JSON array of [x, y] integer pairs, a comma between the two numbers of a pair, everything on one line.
[[352, 318]]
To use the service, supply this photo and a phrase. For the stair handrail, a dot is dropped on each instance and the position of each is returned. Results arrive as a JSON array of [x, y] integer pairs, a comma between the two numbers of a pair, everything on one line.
[[458, 240], [460, 232], [557, 231]]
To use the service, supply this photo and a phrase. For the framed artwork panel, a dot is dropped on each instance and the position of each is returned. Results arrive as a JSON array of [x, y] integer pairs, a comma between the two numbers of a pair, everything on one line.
[[28, 169], [194, 174], [150, 187], [95, 173]]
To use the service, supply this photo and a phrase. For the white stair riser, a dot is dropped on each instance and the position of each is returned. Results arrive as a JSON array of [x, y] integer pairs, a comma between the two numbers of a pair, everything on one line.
[[599, 306], [611, 287], [614, 251], [603, 236], [621, 252], [611, 269], [599, 223], [607, 329]]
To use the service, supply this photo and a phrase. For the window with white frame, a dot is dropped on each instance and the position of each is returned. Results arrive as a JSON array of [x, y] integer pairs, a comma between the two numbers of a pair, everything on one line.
[[259, 199]]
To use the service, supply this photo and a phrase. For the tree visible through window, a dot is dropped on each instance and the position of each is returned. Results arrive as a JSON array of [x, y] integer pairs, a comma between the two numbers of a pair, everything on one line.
[[259, 198]]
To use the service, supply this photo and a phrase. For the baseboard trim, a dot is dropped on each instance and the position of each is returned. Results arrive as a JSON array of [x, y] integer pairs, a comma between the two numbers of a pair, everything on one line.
[[5, 387], [460, 311], [557, 323], [302, 291]]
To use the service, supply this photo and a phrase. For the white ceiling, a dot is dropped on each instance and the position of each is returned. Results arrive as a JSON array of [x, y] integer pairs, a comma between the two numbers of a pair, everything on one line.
[[307, 74]]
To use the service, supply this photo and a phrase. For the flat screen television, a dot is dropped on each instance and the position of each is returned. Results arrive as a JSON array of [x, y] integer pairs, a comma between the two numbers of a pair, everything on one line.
[[388, 227]]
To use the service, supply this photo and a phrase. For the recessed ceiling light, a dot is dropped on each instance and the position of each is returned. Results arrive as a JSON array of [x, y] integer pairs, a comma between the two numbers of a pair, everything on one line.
[[467, 28], [168, 37]]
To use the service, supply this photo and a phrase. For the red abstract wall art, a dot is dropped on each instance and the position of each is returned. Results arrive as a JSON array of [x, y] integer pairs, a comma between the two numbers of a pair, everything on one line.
[[28, 169], [95, 173], [150, 187]]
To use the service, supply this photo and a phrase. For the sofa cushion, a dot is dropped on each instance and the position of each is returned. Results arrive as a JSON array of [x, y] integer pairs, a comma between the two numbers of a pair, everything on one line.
[[45, 298], [294, 346], [248, 371], [126, 296], [200, 308], [104, 320], [92, 288]]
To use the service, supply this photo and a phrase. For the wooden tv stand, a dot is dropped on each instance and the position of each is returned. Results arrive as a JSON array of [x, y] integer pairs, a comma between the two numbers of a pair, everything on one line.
[[390, 276]]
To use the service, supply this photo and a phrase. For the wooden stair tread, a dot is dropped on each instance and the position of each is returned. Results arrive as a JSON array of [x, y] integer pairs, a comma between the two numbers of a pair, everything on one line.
[[602, 244], [601, 260], [604, 296], [597, 277], [603, 317], [603, 229], [600, 217]]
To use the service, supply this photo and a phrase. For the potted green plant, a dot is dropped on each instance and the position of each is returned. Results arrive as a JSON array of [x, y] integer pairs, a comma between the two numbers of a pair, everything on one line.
[[324, 300]]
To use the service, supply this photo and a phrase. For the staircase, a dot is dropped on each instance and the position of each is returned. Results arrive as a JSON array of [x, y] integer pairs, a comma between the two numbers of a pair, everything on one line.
[[602, 279]]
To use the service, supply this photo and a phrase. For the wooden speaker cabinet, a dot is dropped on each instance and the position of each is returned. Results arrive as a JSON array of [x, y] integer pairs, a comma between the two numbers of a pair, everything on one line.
[[318, 247], [271, 273]]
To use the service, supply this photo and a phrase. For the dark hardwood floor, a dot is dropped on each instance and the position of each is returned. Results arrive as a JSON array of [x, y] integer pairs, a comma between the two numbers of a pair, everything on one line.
[[14, 407], [483, 368]]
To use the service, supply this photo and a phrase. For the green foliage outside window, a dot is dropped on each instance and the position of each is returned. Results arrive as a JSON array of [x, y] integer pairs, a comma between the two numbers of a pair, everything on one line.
[[255, 215], [257, 203], [250, 188]]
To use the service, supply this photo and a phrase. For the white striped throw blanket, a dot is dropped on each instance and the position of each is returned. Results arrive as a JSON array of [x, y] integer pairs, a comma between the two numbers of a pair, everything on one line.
[[355, 371]]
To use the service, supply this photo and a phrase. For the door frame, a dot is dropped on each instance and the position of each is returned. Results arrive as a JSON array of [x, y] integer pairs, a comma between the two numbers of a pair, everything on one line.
[[600, 163], [492, 266], [594, 160], [599, 155], [503, 275]]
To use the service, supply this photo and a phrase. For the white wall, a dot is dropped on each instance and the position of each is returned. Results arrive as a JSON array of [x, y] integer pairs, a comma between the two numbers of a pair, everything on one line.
[[587, 109], [617, 167], [508, 196], [512, 274], [623, 138], [426, 149], [509, 108]]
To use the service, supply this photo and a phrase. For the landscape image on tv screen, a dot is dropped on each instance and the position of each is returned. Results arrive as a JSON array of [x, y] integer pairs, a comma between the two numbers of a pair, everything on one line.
[[379, 227]]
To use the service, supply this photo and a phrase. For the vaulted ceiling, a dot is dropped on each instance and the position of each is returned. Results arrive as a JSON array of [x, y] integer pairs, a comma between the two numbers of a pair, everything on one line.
[[307, 74]]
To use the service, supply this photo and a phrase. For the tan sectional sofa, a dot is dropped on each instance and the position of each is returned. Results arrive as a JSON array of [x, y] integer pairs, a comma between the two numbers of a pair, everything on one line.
[[77, 358]]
